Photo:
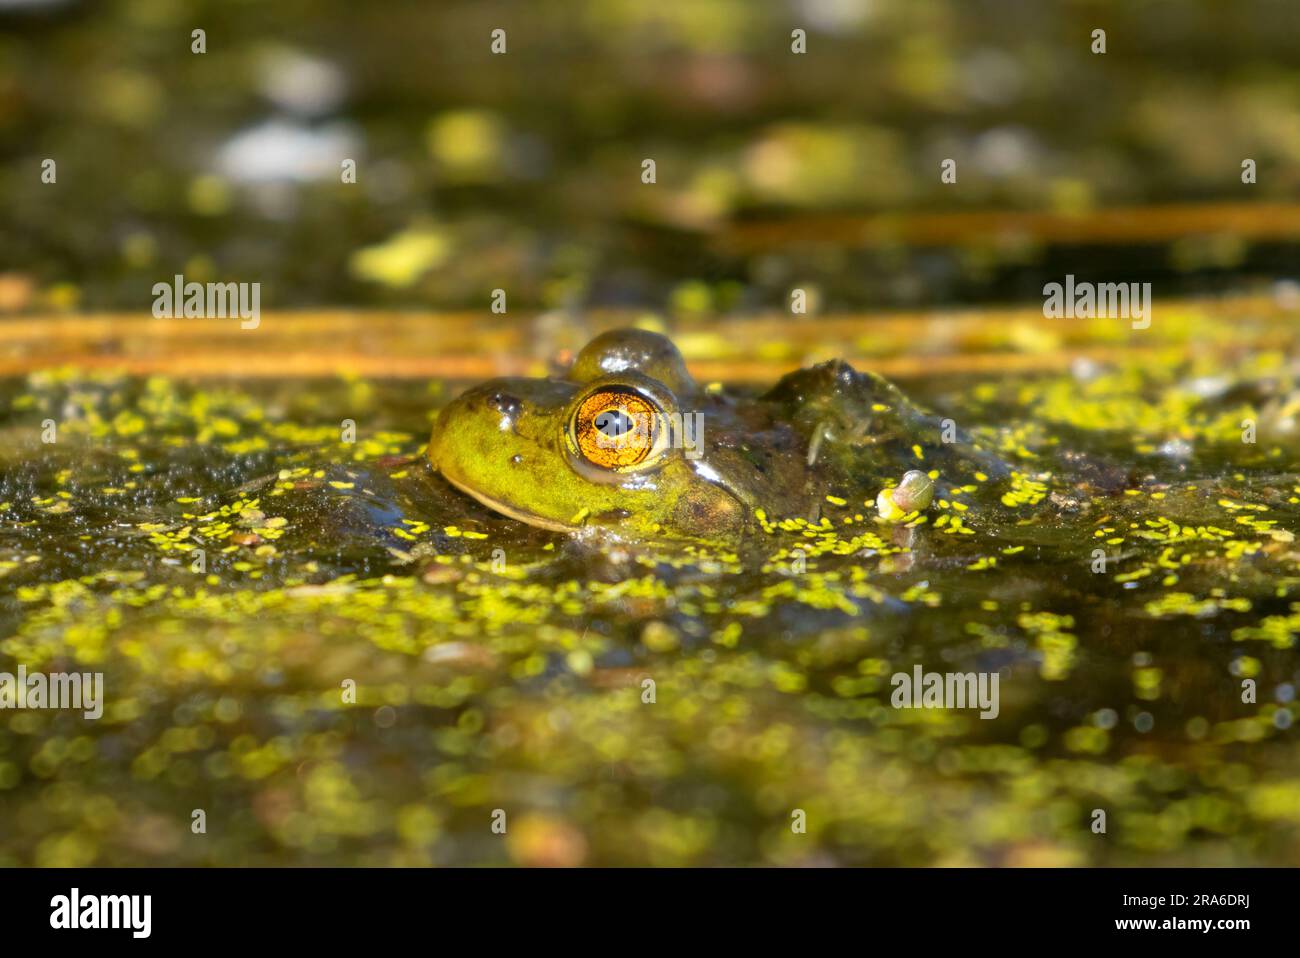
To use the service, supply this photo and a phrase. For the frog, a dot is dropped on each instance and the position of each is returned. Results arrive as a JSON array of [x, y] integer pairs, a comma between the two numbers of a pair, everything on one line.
[[626, 442]]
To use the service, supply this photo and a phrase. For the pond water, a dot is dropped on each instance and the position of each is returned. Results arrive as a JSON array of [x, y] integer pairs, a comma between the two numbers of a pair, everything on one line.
[[338, 659]]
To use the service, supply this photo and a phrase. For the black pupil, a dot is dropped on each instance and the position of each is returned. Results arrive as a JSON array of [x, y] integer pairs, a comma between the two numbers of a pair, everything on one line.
[[614, 423]]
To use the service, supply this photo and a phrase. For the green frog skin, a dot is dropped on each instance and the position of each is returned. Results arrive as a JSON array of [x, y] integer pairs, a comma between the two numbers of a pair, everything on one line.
[[628, 443]]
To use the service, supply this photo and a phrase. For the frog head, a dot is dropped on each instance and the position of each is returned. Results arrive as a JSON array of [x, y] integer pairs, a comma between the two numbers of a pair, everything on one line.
[[609, 446]]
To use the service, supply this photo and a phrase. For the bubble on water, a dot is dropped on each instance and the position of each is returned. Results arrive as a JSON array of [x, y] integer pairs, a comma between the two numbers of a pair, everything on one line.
[[385, 716], [915, 492], [1003, 152], [280, 151], [837, 16], [1282, 718], [1105, 718], [1285, 693], [1209, 387], [301, 83], [1144, 722], [1085, 370], [1286, 293]]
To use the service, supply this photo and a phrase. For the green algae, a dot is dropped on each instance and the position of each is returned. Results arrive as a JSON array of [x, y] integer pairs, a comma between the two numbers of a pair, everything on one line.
[[341, 660]]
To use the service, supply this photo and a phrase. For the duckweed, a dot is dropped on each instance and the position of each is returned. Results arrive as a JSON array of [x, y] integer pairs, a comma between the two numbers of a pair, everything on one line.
[[344, 661]]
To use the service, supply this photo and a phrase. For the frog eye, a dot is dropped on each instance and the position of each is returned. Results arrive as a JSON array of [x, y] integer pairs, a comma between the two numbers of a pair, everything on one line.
[[618, 429]]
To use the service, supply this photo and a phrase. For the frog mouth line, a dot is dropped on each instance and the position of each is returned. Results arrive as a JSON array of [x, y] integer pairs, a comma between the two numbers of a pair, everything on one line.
[[519, 515]]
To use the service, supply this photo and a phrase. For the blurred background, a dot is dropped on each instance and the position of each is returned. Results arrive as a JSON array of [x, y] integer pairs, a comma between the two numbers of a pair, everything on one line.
[[523, 171]]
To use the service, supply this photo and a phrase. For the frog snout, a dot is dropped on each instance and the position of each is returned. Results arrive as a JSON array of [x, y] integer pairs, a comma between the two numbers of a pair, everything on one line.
[[470, 426]]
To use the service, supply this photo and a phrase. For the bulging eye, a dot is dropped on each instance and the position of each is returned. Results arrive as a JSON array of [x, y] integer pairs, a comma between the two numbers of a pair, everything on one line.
[[618, 429]]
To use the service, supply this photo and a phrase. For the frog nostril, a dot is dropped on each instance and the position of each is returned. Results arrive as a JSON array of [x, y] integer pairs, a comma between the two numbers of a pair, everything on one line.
[[503, 403]]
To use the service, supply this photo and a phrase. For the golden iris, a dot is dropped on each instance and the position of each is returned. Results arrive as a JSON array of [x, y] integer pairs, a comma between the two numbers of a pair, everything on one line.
[[615, 429]]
